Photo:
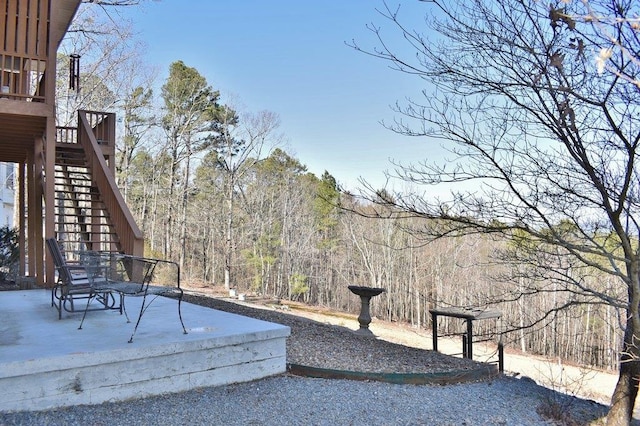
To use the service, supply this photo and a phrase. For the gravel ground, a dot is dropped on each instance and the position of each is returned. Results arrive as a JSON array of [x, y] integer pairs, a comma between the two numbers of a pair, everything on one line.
[[287, 400], [315, 344], [291, 400]]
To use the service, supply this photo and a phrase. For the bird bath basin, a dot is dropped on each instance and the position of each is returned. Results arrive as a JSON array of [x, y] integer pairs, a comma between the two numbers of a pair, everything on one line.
[[365, 293]]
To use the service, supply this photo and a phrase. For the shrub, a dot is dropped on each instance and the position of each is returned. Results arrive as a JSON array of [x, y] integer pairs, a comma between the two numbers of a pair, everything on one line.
[[9, 253]]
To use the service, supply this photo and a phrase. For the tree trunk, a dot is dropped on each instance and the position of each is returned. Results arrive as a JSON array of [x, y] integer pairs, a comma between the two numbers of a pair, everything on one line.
[[168, 246], [624, 395], [184, 206], [229, 235]]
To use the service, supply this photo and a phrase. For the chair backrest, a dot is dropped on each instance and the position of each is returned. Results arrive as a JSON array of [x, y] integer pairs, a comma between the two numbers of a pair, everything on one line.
[[59, 261], [56, 253], [132, 269]]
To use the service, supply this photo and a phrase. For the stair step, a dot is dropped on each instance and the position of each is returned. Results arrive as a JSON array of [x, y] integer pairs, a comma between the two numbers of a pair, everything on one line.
[[67, 221], [84, 216], [75, 193], [69, 154], [78, 176], [79, 203], [80, 190], [62, 168], [70, 188], [79, 163], [111, 239], [73, 175], [76, 166], [87, 214], [64, 157], [87, 205], [64, 160], [73, 211], [66, 180]]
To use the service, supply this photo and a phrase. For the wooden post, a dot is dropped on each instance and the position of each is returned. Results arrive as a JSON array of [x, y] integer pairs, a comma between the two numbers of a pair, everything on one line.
[[36, 209], [21, 222], [50, 195]]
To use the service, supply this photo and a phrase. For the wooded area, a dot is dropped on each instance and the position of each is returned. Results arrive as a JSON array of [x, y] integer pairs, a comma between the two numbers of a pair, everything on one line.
[[296, 237]]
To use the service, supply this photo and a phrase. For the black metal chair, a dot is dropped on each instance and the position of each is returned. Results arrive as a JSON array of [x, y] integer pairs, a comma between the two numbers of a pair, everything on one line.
[[73, 284], [132, 276]]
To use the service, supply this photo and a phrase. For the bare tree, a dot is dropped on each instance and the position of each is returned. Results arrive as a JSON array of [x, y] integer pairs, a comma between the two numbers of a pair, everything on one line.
[[137, 123], [541, 141], [241, 142], [191, 114], [606, 24], [111, 64]]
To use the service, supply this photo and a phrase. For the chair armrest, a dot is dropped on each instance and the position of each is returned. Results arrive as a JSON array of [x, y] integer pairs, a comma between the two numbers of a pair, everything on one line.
[[153, 271]]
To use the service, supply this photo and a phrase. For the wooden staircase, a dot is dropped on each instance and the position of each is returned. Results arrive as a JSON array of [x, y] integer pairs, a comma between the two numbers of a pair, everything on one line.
[[90, 212], [81, 215]]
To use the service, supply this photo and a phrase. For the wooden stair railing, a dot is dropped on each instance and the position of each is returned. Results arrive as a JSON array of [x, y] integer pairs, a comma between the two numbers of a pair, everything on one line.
[[130, 236]]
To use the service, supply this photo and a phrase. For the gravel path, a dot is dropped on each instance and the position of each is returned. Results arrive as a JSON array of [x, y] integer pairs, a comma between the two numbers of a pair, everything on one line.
[[291, 400], [287, 400]]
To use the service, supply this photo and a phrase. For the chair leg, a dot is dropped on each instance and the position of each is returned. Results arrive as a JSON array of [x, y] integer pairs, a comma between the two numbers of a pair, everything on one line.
[[90, 296], [143, 307], [106, 299], [112, 301], [56, 301], [123, 307], [146, 305], [184, 329]]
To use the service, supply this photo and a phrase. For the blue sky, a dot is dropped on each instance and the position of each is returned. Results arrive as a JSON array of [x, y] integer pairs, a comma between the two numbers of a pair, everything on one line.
[[290, 57]]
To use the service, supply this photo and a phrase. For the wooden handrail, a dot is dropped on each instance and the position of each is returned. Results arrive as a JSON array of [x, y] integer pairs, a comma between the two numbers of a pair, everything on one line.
[[131, 238]]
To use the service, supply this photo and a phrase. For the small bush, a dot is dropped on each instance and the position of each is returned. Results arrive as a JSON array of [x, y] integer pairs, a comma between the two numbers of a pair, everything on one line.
[[9, 253], [557, 412]]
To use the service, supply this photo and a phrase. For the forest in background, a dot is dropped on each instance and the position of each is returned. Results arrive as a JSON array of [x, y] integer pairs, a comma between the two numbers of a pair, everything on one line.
[[296, 236], [212, 187]]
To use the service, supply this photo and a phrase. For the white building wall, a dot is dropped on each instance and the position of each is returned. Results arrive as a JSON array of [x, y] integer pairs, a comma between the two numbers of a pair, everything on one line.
[[7, 193]]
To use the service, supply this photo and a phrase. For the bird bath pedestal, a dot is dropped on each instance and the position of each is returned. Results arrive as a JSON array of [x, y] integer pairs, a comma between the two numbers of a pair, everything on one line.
[[365, 293]]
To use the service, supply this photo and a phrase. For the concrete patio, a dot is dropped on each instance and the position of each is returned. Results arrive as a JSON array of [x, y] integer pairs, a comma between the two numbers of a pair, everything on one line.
[[47, 363]]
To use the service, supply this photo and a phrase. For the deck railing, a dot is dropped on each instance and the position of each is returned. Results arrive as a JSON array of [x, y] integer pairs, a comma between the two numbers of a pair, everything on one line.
[[22, 78], [66, 134], [102, 125], [23, 51]]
